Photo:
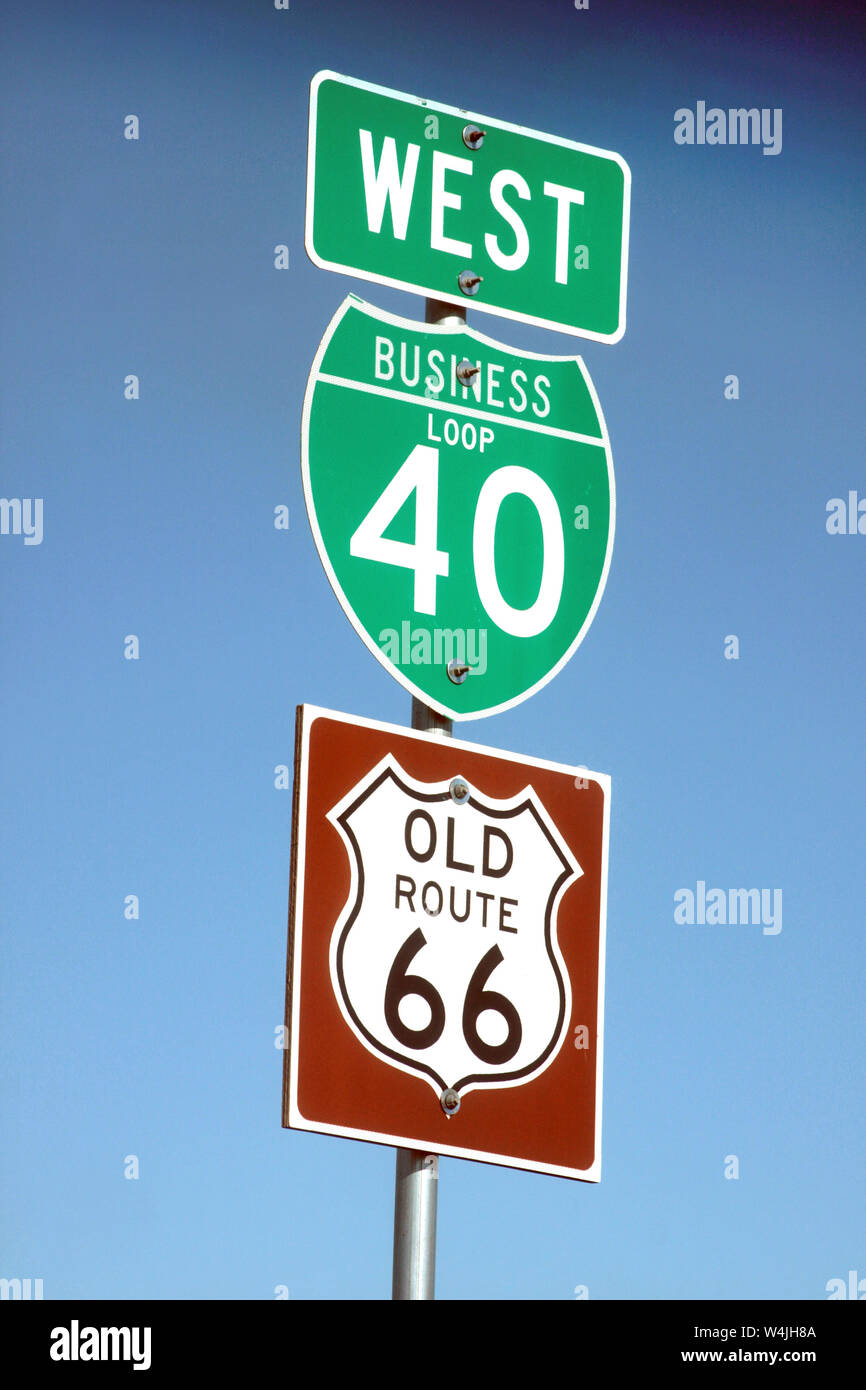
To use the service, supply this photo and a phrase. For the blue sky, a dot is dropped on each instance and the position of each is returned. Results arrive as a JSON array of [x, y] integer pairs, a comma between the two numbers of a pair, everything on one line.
[[155, 777]]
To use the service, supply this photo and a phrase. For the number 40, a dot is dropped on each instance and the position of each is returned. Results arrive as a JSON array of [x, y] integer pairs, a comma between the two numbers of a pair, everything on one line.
[[419, 473]]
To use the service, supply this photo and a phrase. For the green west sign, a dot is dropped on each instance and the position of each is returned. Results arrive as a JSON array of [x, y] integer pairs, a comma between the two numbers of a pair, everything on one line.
[[409, 193], [466, 529]]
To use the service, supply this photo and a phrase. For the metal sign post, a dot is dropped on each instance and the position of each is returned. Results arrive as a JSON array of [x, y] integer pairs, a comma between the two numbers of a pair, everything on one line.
[[416, 1178], [502, 566]]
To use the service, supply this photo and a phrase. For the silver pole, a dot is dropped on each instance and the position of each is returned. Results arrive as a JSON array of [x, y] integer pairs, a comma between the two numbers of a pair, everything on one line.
[[416, 1179]]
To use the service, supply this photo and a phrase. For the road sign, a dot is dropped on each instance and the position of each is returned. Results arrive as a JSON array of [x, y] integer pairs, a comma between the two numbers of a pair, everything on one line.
[[416, 195], [446, 947], [469, 526]]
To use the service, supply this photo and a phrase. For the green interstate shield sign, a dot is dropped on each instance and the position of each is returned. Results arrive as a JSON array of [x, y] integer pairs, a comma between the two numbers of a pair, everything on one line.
[[461, 497]]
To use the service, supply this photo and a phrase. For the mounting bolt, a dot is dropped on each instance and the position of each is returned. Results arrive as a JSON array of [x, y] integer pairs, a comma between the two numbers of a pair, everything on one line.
[[459, 793], [466, 370], [473, 138], [457, 671], [469, 281], [450, 1102]]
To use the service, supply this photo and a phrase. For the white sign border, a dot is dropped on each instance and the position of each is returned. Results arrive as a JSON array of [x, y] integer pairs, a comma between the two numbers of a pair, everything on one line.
[[395, 320], [485, 122], [307, 716]]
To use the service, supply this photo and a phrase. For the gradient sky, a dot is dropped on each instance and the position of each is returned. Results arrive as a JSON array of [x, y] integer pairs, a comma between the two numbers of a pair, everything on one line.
[[156, 777]]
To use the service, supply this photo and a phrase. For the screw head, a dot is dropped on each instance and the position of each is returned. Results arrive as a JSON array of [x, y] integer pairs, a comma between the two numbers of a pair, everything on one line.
[[459, 793], [466, 370], [457, 671], [450, 1102], [473, 138], [468, 281]]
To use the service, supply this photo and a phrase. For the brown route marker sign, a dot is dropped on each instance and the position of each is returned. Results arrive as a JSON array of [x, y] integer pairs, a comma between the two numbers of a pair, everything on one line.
[[445, 973]]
